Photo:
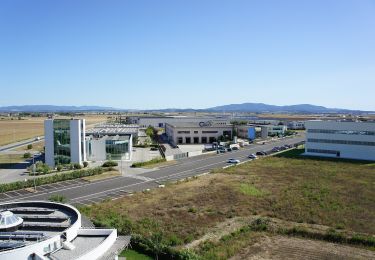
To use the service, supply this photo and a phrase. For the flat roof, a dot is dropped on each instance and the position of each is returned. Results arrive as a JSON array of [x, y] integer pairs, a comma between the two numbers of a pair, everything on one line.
[[203, 124], [41, 220], [113, 129]]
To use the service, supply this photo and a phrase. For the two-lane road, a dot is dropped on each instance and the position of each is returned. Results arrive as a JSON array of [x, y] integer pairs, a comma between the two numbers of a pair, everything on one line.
[[81, 192]]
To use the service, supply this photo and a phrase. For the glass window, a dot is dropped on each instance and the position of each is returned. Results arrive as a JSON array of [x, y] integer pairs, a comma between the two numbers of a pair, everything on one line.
[[61, 136]]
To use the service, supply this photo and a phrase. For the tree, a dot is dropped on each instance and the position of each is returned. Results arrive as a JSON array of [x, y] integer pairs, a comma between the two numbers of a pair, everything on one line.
[[29, 146]]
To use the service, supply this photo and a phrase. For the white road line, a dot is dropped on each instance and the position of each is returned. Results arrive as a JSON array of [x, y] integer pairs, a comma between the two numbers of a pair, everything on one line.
[[139, 183]]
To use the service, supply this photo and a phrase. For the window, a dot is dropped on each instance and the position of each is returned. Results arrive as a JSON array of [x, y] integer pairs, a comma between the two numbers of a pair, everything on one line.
[[204, 140], [329, 141], [179, 140], [322, 151], [344, 132], [195, 132], [209, 132], [61, 138], [183, 132]]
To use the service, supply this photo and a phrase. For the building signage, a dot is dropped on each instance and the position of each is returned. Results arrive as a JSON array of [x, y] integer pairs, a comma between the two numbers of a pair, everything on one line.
[[205, 124]]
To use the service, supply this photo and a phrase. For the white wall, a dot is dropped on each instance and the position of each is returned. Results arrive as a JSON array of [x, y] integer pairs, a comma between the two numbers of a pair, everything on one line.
[[75, 141], [350, 151], [48, 139]]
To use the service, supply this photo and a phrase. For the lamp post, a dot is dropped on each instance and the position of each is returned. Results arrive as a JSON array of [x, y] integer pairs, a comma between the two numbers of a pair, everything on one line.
[[34, 166]]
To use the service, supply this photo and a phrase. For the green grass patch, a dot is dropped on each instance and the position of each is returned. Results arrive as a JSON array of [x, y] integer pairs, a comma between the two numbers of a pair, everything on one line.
[[131, 254], [250, 190]]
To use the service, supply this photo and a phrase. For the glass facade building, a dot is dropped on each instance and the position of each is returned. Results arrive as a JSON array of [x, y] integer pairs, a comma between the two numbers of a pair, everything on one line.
[[61, 141], [116, 147]]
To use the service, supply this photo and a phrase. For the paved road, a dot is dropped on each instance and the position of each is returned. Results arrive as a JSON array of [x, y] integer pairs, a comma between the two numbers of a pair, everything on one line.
[[20, 143], [82, 192]]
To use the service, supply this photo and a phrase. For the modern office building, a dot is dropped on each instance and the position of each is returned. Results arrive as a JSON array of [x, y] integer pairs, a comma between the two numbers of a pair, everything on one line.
[[47, 230], [341, 139], [64, 141], [197, 133], [110, 142]]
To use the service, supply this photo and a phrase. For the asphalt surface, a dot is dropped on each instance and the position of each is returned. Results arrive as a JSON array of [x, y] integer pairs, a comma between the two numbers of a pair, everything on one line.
[[18, 144], [82, 192]]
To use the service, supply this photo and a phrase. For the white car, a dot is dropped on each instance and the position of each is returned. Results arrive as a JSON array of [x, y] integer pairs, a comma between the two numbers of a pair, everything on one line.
[[233, 160], [252, 156]]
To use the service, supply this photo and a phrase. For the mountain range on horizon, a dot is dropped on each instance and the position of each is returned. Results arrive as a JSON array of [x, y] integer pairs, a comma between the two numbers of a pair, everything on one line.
[[244, 107]]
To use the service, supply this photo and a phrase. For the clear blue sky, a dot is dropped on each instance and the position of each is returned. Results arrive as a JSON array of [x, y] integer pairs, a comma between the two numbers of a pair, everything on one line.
[[196, 53]]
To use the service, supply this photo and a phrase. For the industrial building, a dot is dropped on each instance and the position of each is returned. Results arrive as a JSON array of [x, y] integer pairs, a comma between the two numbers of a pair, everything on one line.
[[47, 230], [67, 141], [296, 125], [340, 139], [161, 121], [197, 133], [64, 141]]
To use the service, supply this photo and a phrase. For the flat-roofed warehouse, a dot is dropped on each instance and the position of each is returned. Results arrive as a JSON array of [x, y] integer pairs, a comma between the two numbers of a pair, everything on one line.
[[340, 139], [197, 133]]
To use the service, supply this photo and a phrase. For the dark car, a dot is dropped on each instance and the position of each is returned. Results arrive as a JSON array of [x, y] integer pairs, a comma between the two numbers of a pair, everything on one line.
[[229, 149], [235, 148], [261, 153]]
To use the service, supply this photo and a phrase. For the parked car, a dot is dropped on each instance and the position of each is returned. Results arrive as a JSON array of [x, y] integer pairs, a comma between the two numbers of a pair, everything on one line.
[[261, 153], [221, 151], [233, 160], [235, 148], [229, 149], [275, 150], [252, 156]]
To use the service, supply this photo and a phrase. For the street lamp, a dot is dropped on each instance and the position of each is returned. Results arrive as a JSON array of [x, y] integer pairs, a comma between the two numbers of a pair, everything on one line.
[[34, 167]]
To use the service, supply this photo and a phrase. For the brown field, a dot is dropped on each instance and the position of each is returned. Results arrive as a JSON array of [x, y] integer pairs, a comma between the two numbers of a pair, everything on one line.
[[339, 195], [29, 127]]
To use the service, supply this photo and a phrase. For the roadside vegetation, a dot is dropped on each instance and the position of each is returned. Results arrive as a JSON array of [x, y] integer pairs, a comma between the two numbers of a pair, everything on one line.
[[148, 163], [50, 179], [336, 196]]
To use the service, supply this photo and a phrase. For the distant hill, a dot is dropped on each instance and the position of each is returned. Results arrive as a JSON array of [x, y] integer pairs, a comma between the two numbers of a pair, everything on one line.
[[261, 107], [245, 107], [52, 108]]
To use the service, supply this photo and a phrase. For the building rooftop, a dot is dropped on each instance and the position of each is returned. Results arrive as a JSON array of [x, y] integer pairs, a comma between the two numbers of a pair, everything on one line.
[[40, 221], [203, 124], [113, 129]]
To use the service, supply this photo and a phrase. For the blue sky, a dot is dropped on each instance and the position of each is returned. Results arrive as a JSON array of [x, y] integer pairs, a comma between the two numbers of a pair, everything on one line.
[[196, 53]]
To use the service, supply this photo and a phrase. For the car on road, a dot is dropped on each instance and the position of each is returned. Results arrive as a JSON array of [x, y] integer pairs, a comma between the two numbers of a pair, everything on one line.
[[261, 153], [233, 160], [235, 148], [221, 151], [229, 149], [252, 156]]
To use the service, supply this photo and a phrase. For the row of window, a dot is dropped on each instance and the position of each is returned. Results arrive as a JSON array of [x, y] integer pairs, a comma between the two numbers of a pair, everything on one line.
[[322, 151], [344, 132], [328, 141], [196, 132]]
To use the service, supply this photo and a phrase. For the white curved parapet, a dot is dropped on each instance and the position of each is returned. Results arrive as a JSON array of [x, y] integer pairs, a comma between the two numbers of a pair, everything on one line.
[[51, 231]]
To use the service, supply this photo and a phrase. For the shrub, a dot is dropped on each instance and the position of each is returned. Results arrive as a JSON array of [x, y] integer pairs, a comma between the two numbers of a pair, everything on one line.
[[85, 164], [110, 164], [77, 166], [59, 167], [27, 155], [153, 161], [50, 179], [29, 146]]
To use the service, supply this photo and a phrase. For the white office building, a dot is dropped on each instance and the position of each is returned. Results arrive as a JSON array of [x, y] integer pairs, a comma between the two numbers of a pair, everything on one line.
[[342, 139], [64, 141]]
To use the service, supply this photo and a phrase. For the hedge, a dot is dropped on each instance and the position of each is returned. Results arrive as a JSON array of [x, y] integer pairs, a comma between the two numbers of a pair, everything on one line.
[[50, 179], [153, 161]]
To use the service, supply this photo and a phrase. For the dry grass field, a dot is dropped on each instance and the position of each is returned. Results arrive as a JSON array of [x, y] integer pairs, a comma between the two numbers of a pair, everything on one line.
[[339, 195], [29, 127]]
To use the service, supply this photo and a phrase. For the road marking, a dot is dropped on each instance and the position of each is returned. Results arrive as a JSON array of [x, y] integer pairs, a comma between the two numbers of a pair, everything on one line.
[[139, 183]]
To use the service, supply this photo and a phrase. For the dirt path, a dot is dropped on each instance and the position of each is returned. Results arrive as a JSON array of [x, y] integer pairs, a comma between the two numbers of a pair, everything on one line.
[[281, 247]]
